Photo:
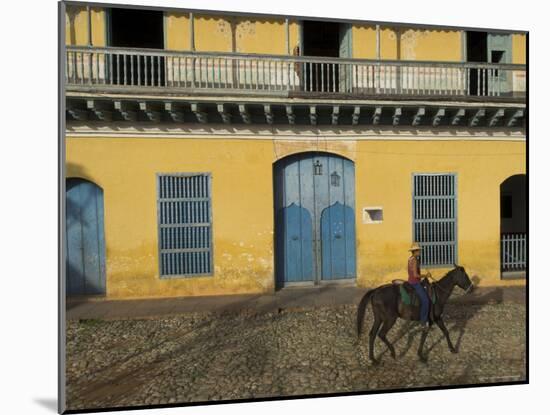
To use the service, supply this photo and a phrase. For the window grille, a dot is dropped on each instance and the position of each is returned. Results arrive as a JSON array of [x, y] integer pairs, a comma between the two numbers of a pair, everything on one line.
[[185, 225], [434, 218]]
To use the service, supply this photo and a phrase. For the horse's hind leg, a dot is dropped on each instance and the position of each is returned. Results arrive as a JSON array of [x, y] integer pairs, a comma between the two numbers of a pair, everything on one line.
[[372, 336], [386, 326]]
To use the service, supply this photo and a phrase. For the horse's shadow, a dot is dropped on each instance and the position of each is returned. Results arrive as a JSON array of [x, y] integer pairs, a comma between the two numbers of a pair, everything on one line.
[[460, 314]]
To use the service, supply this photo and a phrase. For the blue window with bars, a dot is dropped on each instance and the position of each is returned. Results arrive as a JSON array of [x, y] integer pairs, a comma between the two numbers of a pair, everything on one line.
[[185, 224], [434, 218]]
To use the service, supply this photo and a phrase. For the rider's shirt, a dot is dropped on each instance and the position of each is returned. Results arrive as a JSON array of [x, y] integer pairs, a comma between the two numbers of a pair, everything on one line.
[[413, 268]]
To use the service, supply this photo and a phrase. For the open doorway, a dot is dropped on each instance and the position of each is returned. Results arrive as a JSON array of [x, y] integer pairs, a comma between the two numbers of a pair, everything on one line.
[[476, 51], [493, 48], [321, 39], [143, 29], [329, 40], [513, 226], [136, 28]]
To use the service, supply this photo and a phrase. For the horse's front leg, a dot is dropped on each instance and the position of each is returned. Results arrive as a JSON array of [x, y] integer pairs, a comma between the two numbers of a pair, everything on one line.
[[441, 325], [422, 341]]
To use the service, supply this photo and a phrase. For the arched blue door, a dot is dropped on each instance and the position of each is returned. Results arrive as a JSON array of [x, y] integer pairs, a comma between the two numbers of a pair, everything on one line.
[[315, 221], [85, 238]]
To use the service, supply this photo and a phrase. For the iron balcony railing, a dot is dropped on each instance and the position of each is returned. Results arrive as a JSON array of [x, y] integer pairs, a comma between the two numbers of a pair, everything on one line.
[[513, 251], [146, 69]]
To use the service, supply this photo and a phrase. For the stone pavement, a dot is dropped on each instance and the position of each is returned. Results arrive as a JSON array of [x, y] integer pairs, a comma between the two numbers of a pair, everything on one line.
[[289, 299], [205, 356]]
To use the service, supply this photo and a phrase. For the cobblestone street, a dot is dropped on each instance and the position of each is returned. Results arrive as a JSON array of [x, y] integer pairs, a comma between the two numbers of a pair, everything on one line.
[[220, 356]]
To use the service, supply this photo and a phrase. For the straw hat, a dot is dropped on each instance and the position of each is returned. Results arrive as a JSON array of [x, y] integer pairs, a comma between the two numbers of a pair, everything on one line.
[[415, 247]]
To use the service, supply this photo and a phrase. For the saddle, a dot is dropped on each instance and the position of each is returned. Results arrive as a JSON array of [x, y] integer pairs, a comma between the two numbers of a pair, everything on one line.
[[408, 294]]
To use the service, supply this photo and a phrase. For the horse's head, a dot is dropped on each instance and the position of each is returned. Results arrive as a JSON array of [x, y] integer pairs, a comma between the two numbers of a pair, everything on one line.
[[461, 278]]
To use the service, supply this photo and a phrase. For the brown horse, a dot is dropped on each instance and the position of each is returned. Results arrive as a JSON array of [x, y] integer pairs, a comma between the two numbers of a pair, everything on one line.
[[387, 307]]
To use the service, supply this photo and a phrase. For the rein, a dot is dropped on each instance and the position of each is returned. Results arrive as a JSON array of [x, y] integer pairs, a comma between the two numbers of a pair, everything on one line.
[[437, 284]]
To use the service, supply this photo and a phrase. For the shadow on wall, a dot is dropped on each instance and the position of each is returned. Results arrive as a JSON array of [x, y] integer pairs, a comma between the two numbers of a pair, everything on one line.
[[75, 171]]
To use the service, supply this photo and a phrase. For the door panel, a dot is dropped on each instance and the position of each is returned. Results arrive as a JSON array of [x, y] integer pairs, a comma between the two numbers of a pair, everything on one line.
[[298, 244], [85, 239], [499, 50], [338, 242], [345, 52]]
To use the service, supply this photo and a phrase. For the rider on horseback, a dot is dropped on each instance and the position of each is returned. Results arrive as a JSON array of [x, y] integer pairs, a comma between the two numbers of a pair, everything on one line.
[[413, 268]]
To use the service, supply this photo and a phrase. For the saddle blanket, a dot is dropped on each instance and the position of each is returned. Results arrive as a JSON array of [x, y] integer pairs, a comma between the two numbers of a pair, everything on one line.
[[411, 298]]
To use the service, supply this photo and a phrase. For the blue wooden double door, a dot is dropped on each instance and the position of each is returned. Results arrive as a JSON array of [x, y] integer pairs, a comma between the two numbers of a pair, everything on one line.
[[314, 218], [85, 259]]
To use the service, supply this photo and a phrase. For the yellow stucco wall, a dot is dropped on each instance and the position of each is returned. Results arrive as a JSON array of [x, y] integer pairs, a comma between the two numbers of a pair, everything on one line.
[[76, 26], [212, 34], [388, 43], [177, 31], [413, 44], [364, 41], [431, 45], [261, 36], [519, 48], [217, 34], [242, 200]]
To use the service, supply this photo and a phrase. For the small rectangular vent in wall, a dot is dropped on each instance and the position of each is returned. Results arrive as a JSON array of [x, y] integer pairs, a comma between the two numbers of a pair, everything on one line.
[[373, 215]]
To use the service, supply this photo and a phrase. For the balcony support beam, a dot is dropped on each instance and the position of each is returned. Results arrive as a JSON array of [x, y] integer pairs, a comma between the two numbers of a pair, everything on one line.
[[377, 115], [174, 112], [438, 117], [226, 116], [335, 114], [458, 116], [100, 109], [290, 115], [126, 110], [356, 114], [152, 111], [78, 114], [496, 117], [313, 115], [514, 118], [245, 115], [396, 116], [199, 112], [418, 117], [474, 121], [268, 114]]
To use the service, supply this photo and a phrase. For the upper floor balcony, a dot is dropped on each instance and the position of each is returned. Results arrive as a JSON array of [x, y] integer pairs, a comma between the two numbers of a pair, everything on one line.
[[172, 73]]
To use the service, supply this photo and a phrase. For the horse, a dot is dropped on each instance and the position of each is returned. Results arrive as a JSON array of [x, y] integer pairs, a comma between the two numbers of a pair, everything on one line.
[[387, 307]]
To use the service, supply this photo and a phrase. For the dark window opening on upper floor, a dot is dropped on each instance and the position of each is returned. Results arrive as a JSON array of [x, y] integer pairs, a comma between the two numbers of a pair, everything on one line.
[[325, 39], [476, 46], [476, 51], [321, 39], [136, 28], [130, 28]]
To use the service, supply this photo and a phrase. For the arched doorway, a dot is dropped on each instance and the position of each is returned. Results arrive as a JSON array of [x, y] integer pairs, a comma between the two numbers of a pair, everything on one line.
[[513, 226], [85, 238], [314, 219]]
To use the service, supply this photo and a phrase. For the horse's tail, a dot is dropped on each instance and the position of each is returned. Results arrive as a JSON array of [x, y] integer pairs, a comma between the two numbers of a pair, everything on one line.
[[362, 308]]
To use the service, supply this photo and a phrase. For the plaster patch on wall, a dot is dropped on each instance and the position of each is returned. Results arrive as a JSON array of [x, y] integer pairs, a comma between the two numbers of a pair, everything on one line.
[[244, 29], [409, 43], [224, 28]]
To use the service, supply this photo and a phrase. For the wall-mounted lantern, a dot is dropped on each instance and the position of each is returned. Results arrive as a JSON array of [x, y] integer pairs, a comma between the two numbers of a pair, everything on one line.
[[317, 168], [335, 179]]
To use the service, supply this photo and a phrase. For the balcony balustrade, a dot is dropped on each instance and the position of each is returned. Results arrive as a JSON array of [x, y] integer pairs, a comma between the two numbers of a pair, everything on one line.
[[170, 72]]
